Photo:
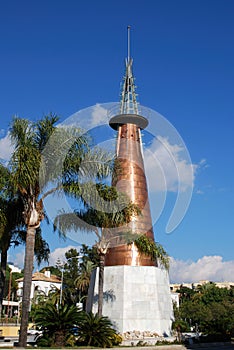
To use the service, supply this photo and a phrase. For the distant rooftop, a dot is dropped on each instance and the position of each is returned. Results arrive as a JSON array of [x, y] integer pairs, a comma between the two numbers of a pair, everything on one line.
[[46, 277], [226, 284]]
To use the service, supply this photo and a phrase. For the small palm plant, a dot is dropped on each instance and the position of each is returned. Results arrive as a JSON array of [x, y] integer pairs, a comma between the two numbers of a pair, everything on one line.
[[57, 321], [97, 331]]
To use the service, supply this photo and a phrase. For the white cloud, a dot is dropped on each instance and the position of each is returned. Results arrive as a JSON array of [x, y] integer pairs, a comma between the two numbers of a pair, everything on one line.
[[17, 258], [6, 148], [59, 253], [211, 268], [98, 116], [172, 166]]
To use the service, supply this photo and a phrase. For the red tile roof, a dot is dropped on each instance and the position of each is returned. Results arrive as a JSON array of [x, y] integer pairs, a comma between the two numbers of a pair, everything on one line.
[[39, 276]]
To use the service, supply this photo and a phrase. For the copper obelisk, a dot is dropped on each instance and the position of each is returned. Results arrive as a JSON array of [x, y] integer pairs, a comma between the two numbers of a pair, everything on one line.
[[131, 179]]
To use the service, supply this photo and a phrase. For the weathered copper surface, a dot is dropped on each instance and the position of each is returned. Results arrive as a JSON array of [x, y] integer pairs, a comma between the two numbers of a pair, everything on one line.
[[127, 255], [132, 181]]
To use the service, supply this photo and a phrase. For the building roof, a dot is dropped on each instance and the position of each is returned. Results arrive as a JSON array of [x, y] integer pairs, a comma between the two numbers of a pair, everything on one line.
[[39, 276]]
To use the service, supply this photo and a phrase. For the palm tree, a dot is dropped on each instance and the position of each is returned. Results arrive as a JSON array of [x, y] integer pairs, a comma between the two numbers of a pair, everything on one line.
[[45, 156], [29, 139], [83, 280], [12, 234], [113, 212], [57, 321], [95, 330], [148, 247], [11, 226]]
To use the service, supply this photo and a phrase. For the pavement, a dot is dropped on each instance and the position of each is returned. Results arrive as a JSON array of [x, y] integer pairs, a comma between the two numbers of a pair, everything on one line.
[[8, 343], [217, 346]]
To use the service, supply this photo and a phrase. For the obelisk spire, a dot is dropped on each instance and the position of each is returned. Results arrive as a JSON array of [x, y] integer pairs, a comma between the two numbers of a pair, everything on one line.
[[130, 176]]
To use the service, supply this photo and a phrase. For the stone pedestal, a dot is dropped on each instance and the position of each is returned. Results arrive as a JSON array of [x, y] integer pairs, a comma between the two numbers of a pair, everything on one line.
[[136, 298]]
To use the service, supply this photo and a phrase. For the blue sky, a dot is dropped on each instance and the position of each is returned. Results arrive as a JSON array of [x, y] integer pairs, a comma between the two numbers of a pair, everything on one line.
[[62, 56]]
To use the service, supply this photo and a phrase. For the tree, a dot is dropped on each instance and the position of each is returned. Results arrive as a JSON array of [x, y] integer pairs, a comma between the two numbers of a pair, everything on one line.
[[76, 271], [88, 254], [71, 271], [209, 309], [8, 211], [46, 160], [185, 293], [83, 280], [8, 236], [11, 232], [110, 210], [95, 330], [29, 140], [57, 321], [148, 247]]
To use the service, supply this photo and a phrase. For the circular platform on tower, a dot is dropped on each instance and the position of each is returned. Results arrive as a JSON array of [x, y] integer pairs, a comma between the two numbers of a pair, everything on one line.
[[122, 119]]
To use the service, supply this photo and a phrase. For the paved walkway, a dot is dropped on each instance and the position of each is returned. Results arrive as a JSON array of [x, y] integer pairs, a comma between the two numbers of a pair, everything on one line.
[[217, 346], [214, 346]]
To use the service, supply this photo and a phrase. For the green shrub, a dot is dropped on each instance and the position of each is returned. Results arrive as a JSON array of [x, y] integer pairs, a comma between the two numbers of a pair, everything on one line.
[[97, 331]]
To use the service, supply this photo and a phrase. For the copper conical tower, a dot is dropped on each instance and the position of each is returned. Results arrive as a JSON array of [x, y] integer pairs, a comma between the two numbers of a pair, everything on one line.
[[131, 178]]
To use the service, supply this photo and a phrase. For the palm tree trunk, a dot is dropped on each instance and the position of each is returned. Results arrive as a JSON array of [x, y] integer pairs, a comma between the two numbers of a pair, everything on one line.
[[59, 338], [100, 284], [2, 277], [28, 269]]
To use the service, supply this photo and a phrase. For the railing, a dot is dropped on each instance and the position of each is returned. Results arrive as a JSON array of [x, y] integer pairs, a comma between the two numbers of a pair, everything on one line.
[[115, 110]]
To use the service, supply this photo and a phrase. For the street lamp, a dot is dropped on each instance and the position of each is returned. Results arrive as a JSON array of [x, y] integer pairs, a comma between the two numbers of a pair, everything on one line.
[[9, 294], [61, 288]]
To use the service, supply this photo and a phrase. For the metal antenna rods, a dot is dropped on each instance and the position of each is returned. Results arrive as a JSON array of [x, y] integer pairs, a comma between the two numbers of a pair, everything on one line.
[[129, 43]]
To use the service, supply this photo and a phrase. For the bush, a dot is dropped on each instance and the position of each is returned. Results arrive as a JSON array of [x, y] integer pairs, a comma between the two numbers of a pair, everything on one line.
[[116, 339], [56, 323], [215, 337], [97, 331]]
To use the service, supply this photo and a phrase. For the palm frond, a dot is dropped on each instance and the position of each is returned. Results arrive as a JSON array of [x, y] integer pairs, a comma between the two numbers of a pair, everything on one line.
[[154, 250], [44, 129]]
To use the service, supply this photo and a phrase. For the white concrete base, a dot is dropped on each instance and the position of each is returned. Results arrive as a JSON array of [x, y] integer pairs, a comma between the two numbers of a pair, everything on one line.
[[137, 298]]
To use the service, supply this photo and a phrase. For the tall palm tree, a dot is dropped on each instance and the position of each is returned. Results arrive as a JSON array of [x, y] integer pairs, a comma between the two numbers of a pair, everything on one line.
[[11, 227], [46, 159], [101, 218], [29, 140]]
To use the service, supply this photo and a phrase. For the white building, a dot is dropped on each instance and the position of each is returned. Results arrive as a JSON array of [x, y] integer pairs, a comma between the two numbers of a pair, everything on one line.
[[175, 298], [175, 286], [41, 282]]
